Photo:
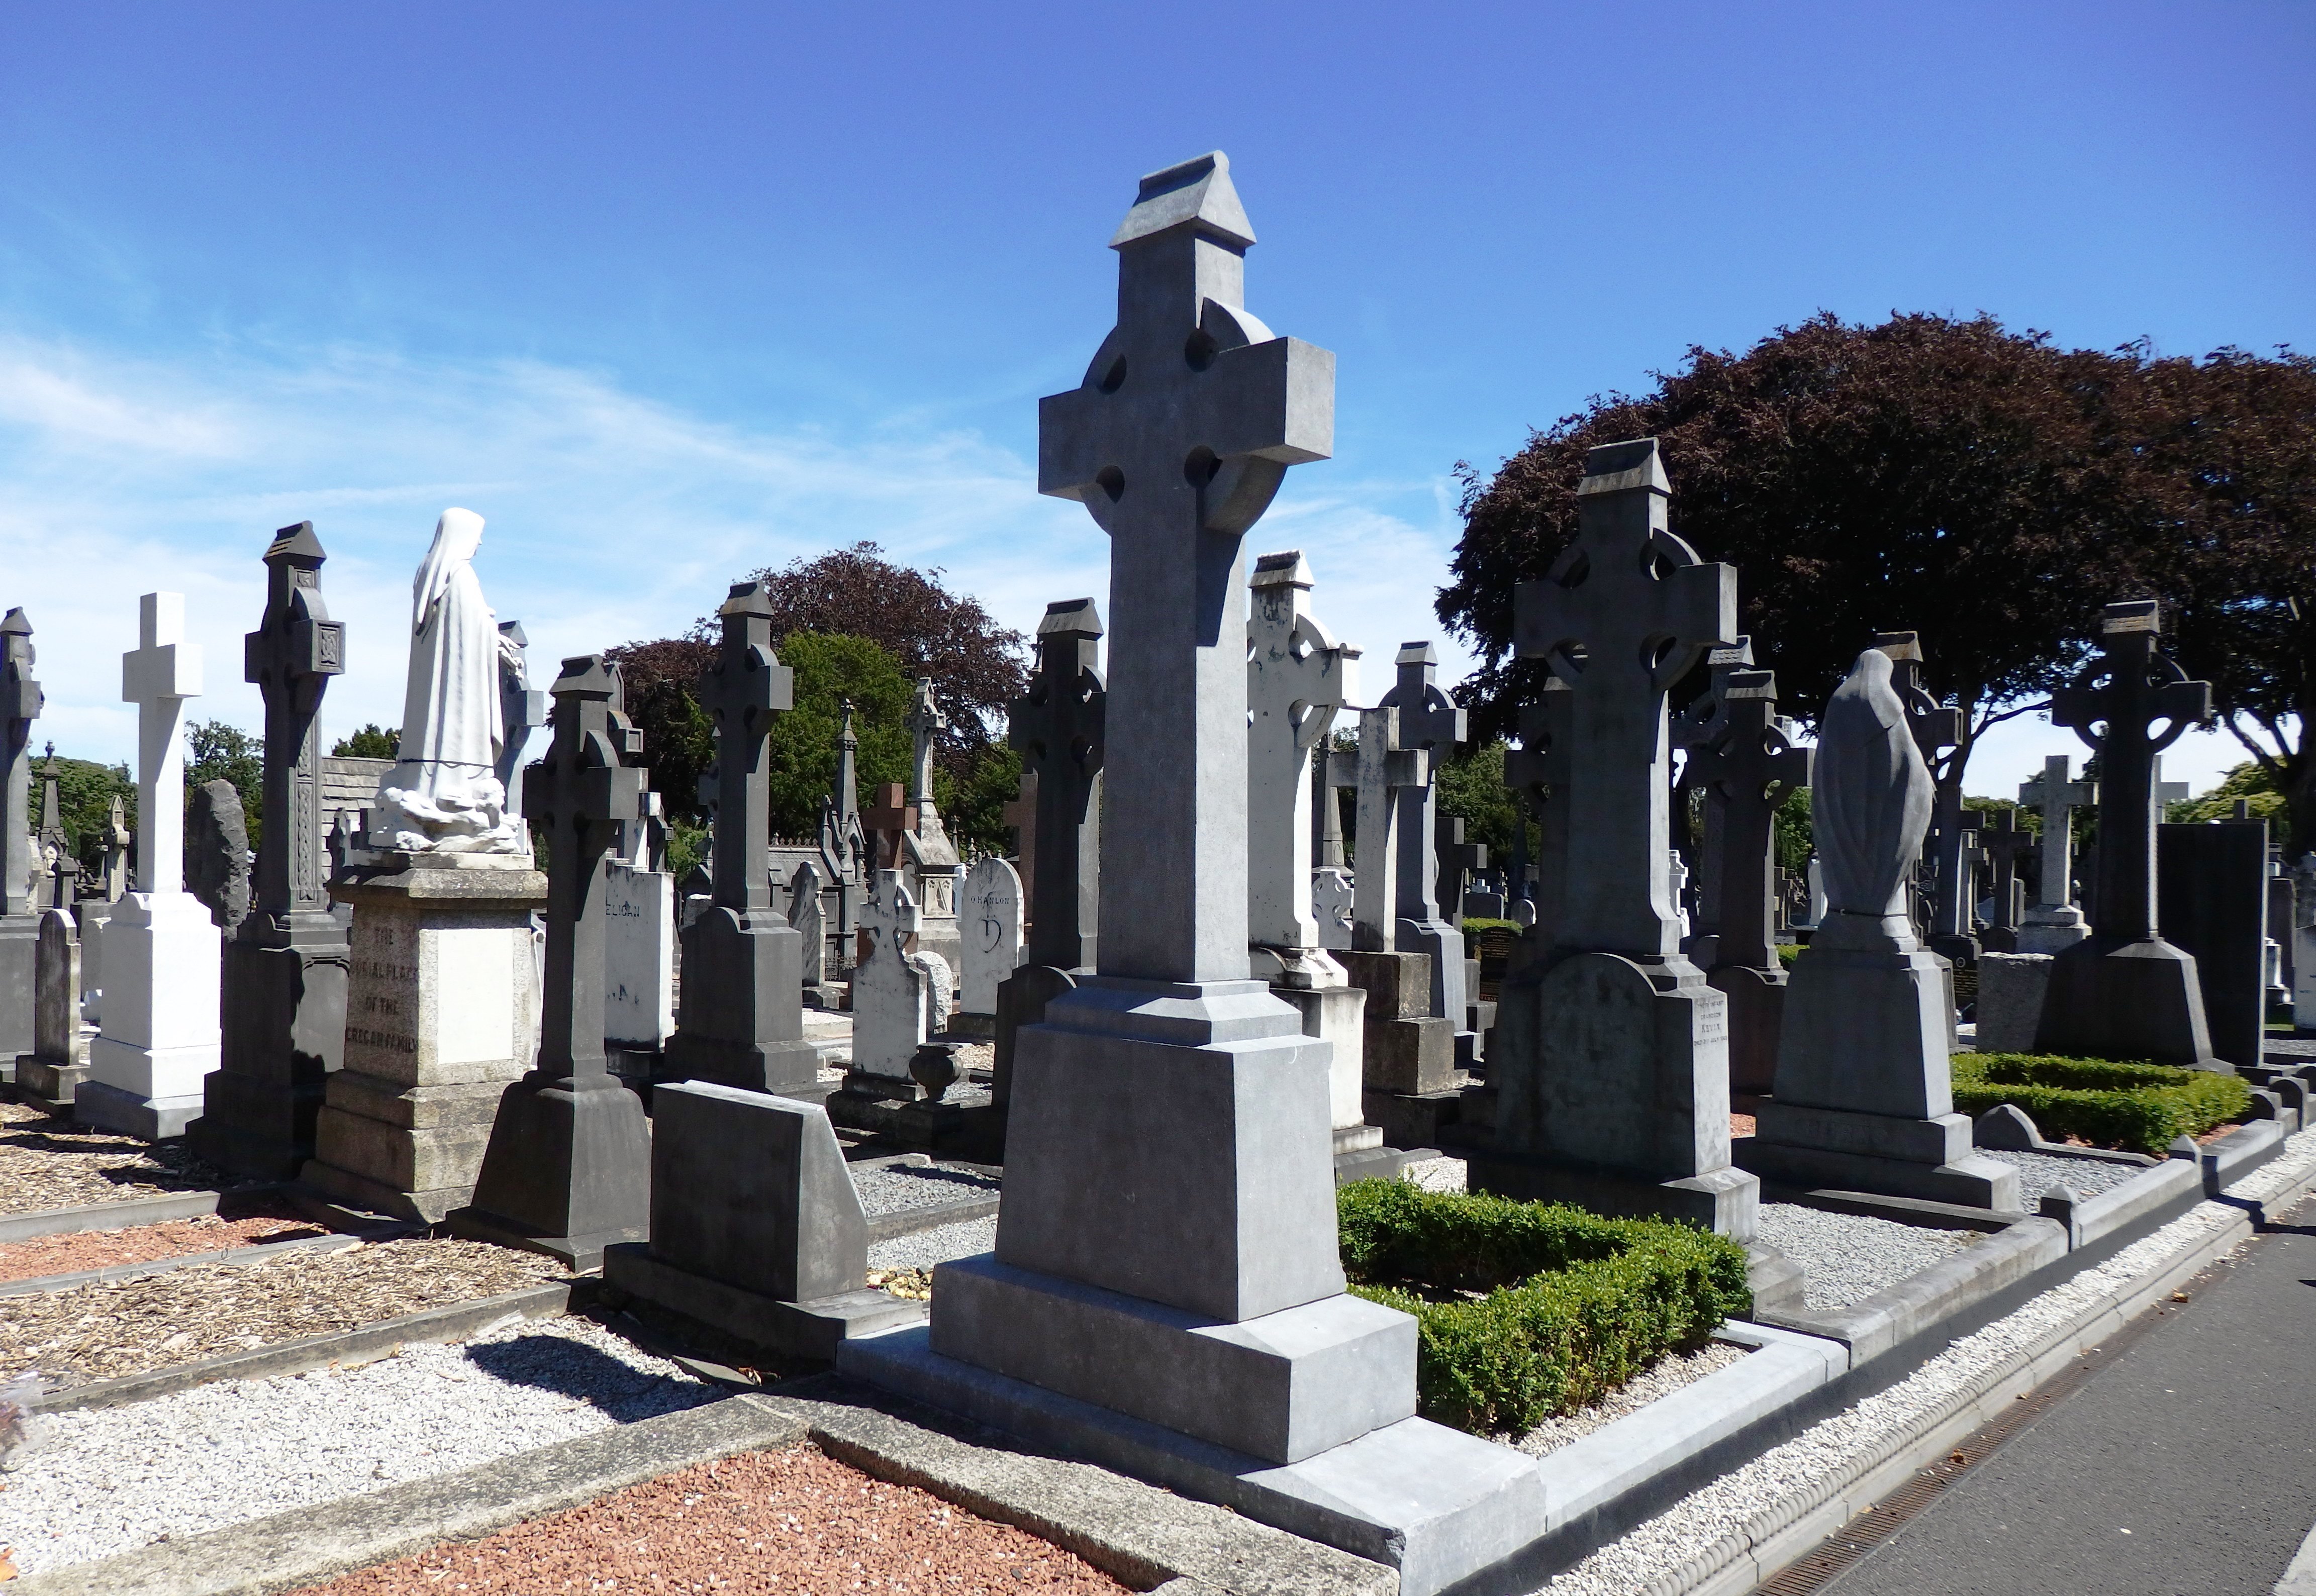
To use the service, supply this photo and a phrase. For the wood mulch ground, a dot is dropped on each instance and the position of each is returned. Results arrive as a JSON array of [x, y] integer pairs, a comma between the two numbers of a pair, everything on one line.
[[109, 1329], [240, 1222], [51, 1163], [784, 1523]]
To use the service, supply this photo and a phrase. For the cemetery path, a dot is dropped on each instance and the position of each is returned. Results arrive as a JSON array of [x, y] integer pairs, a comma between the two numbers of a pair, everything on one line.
[[2186, 1466]]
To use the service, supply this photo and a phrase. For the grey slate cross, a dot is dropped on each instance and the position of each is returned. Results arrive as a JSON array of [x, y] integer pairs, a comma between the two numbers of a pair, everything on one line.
[[1623, 613], [2112, 705], [1754, 767], [1381, 769], [743, 693], [291, 659], [1458, 860], [21, 703], [1181, 433], [1703, 723], [1057, 726], [1936, 727], [578, 794], [1430, 720], [2006, 843]]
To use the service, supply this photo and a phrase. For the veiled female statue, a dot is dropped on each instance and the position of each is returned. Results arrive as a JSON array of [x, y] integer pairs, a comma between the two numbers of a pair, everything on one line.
[[443, 794], [1872, 802]]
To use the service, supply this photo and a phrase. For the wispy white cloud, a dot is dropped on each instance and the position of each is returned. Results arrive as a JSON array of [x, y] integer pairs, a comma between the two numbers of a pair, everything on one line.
[[611, 516]]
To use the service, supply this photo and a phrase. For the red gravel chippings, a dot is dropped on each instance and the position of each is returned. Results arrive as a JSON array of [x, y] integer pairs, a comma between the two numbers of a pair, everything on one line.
[[794, 1522], [246, 1225]]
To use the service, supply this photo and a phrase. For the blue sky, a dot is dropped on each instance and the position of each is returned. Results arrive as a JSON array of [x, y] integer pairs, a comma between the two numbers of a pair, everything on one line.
[[669, 292]]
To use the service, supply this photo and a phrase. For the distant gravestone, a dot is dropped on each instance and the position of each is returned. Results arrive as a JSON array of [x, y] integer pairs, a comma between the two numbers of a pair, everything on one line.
[[1431, 721], [808, 919], [20, 702], [2006, 845], [889, 997], [991, 924], [58, 1062], [216, 852], [2052, 923], [2213, 889], [1332, 895]]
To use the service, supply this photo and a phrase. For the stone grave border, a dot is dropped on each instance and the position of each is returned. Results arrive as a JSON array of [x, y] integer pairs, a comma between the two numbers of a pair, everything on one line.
[[230, 1257], [115, 1216]]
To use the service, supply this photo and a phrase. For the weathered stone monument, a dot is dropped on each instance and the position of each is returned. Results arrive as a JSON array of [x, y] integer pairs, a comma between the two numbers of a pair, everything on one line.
[[285, 966], [1331, 897], [891, 1002], [1429, 719], [1058, 727], [442, 990], [1297, 677], [1698, 727], [638, 945], [2126, 992], [1938, 727], [53, 845], [522, 711], [1751, 768], [20, 702], [2052, 923], [568, 1171], [2006, 845], [1863, 1097], [160, 1035], [742, 1020], [58, 1062], [933, 862], [991, 923], [1169, 1228], [756, 1230], [216, 854], [1612, 1068]]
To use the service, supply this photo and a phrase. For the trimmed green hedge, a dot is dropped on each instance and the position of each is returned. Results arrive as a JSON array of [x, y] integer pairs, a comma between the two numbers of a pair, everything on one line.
[[2140, 1107], [1572, 1305]]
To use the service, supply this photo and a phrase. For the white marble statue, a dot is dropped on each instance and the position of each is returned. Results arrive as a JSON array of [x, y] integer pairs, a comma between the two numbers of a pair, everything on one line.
[[1872, 801], [443, 794]]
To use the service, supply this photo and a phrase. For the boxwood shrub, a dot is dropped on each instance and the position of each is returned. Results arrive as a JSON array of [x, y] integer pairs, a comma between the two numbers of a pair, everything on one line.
[[2138, 1107], [1526, 1309]]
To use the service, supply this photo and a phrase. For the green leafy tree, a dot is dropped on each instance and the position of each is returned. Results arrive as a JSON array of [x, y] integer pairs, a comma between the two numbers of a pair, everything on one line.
[[84, 795], [1472, 789], [973, 806], [371, 742], [2249, 781], [802, 756], [662, 682]]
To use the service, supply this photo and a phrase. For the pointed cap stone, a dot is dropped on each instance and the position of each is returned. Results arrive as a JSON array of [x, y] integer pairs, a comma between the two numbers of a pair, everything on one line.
[[2183, 1147], [748, 599], [512, 631], [15, 625], [1899, 645], [1077, 616], [2132, 615], [1286, 568], [1621, 467], [295, 545], [1197, 192], [587, 676], [1418, 652]]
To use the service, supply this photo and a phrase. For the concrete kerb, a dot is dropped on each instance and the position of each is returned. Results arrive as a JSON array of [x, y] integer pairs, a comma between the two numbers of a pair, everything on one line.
[[230, 1258], [116, 1216], [932, 1216]]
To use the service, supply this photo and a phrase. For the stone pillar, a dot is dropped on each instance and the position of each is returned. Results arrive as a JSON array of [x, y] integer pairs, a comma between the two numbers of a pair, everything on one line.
[[161, 1037], [20, 702], [1169, 1223], [284, 1004], [2005, 845], [568, 1171], [2126, 992], [1864, 1095], [1611, 1062], [2212, 886]]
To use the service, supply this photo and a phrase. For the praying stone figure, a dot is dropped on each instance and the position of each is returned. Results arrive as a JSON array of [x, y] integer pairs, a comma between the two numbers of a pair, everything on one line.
[[444, 794], [1864, 1098], [2126, 992], [1169, 1232], [1611, 1053]]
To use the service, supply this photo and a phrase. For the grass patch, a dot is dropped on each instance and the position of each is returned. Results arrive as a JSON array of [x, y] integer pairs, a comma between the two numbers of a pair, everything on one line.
[[1527, 1309], [2138, 1107], [1789, 951], [1473, 925]]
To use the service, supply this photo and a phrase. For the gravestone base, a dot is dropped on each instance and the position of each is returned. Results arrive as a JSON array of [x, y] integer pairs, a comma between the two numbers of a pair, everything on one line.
[[1726, 1201], [2051, 931], [160, 1037], [50, 1083], [1022, 1000], [284, 1009], [814, 1328], [1337, 1015], [1956, 949], [785, 1069], [2139, 999], [1417, 1120], [20, 938], [1757, 1017], [102, 1106], [441, 1014], [1999, 939], [2011, 990], [737, 1028], [971, 1028], [1404, 1048], [567, 1172], [1890, 1155]]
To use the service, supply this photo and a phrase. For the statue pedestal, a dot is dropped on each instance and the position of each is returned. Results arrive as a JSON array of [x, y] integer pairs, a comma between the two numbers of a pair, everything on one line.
[[160, 1038], [441, 1014], [285, 1030]]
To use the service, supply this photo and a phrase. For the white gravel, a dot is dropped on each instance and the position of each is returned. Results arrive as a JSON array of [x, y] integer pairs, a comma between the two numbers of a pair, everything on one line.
[[2039, 1172], [910, 1186], [1666, 1376], [938, 1245], [1438, 1175], [1849, 1256], [115, 1479]]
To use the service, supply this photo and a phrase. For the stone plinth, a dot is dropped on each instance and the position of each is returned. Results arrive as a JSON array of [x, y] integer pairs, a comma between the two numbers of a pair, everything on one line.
[[2212, 889], [2049, 929], [1756, 1018], [2010, 990], [284, 1008], [1337, 1016], [737, 1030], [756, 1229], [161, 1038], [1405, 1048], [441, 1000]]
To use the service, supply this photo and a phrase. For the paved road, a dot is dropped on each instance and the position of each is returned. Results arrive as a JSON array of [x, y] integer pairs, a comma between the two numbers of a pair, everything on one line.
[[2185, 1468]]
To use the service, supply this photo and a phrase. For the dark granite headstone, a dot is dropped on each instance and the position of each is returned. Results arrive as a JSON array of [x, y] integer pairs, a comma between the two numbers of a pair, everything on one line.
[[2212, 884], [216, 852]]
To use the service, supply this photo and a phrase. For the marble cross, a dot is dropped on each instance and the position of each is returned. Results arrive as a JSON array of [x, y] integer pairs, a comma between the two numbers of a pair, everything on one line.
[[1189, 414], [1298, 678], [2058, 799], [291, 659], [2114, 705], [158, 676], [1622, 615], [578, 794], [21, 703], [1381, 770], [744, 692], [1058, 727]]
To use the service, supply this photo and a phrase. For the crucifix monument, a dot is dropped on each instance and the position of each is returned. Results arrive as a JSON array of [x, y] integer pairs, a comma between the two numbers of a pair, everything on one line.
[[741, 1017], [2005, 845], [1429, 719], [567, 1172], [1612, 1069], [1700, 727], [2126, 992], [2052, 922], [20, 702], [285, 967], [1169, 1228]]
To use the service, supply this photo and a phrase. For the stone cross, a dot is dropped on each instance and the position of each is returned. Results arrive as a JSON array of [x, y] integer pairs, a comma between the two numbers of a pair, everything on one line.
[[2114, 705], [2005, 842], [21, 703], [1297, 677], [1751, 770], [2058, 799], [887, 818], [1703, 724], [578, 796], [162, 673], [1182, 430], [743, 693], [1057, 728], [1538, 771], [290, 658], [1430, 720], [1623, 613], [1381, 770], [522, 709], [925, 722], [1459, 860]]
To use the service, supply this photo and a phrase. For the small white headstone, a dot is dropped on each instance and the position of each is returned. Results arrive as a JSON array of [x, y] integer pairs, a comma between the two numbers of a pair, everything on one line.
[[639, 955], [1331, 903], [889, 987], [991, 926]]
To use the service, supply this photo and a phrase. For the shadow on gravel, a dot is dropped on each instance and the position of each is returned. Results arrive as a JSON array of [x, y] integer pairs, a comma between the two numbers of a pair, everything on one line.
[[579, 1371]]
